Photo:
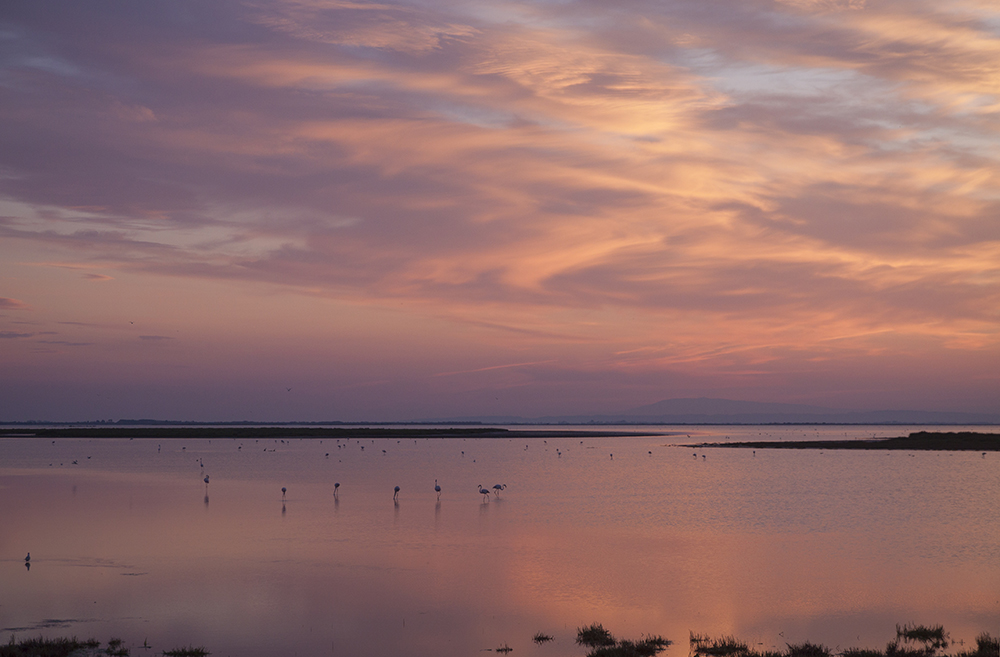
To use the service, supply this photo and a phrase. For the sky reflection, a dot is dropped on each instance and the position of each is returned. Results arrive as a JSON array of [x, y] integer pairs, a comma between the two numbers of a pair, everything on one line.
[[827, 547]]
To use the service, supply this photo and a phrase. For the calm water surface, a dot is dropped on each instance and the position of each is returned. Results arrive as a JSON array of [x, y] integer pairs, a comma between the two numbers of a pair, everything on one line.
[[781, 546]]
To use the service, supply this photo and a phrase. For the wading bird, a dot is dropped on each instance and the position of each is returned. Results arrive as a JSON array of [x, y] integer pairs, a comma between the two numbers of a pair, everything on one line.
[[27, 558], [497, 488], [283, 491], [437, 489], [395, 492], [484, 492], [336, 485]]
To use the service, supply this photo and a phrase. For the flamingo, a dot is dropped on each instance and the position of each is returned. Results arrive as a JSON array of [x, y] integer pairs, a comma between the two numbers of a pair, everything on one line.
[[206, 480], [497, 488], [283, 491], [437, 489], [395, 492], [484, 492], [27, 558], [336, 485]]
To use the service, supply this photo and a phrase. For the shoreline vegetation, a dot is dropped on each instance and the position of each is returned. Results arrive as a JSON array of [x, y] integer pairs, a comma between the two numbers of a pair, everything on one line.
[[911, 641], [954, 441], [73, 647]]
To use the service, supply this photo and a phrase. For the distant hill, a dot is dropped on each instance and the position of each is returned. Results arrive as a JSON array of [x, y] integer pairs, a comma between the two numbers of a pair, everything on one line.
[[706, 410]]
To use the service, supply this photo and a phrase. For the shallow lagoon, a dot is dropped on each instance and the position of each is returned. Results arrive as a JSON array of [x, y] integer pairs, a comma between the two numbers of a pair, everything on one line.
[[778, 546]]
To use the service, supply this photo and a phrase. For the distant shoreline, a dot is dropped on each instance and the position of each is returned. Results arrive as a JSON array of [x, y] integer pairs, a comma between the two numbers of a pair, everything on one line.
[[236, 432], [950, 441]]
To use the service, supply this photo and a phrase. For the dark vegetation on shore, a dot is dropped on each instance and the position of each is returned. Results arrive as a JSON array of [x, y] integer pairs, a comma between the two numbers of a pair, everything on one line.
[[910, 641], [300, 432], [603, 644], [62, 647], [918, 441]]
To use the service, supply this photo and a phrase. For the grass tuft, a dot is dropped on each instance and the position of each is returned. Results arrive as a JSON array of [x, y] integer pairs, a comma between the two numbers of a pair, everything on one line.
[[932, 637], [116, 649], [986, 646], [594, 636], [541, 638], [602, 644], [862, 652], [504, 649], [187, 652], [894, 649], [807, 650], [42, 647], [721, 647]]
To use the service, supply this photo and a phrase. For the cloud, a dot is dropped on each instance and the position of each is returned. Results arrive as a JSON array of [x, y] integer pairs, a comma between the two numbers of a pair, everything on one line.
[[155, 338], [66, 343], [14, 335], [12, 304]]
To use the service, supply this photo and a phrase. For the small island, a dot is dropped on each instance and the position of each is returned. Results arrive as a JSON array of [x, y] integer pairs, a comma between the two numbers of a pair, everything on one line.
[[948, 441]]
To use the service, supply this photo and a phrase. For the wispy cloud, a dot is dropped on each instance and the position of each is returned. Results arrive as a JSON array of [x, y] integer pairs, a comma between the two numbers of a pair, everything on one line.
[[12, 304], [12, 335]]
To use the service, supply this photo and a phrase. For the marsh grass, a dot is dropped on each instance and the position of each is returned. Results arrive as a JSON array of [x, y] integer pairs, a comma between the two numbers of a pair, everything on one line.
[[504, 649], [910, 641], [862, 652], [541, 638], [594, 636], [625, 648], [603, 644], [186, 652], [116, 649], [986, 646], [722, 647], [42, 647], [807, 650]]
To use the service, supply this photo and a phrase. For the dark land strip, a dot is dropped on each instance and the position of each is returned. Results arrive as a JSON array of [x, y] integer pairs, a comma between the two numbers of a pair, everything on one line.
[[957, 441], [305, 432]]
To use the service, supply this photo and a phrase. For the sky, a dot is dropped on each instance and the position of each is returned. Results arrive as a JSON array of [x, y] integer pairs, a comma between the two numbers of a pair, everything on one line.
[[336, 210]]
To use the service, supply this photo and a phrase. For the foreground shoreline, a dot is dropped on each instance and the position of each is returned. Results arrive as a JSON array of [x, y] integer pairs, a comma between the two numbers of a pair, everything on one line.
[[919, 441], [911, 641]]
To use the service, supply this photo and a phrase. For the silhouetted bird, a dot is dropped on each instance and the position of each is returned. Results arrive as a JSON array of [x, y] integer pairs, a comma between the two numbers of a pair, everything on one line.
[[437, 489], [283, 491], [27, 558], [498, 487], [395, 492]]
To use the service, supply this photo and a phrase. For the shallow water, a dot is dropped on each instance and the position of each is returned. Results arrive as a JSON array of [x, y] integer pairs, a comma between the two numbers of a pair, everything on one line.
[[777, 546]]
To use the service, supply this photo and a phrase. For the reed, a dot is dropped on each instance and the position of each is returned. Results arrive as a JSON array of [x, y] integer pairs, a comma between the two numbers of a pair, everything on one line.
[[42, 647]]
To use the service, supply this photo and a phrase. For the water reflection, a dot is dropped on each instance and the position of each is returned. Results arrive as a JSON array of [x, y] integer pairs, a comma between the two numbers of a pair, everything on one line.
[[781, 546]]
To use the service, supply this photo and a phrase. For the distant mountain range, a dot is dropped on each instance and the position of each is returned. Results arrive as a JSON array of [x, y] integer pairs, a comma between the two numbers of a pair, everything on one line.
[[705, 410]]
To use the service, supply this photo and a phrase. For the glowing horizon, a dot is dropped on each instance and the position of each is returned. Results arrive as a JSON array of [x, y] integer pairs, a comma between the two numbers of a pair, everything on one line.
[[438, 209]]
